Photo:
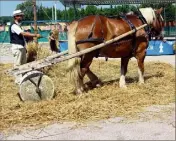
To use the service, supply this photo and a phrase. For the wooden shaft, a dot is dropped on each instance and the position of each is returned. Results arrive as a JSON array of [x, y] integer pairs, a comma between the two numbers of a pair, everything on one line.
[[37, 65], [57, 55], [49, 58]]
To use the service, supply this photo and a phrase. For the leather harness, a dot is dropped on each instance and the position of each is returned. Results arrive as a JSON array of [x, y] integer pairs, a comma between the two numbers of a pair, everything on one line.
[[134, 34], [90, 38], [122, 16]]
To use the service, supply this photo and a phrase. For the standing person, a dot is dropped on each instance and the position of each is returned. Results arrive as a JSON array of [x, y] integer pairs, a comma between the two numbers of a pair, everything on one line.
[[17, 39], [53, 43]]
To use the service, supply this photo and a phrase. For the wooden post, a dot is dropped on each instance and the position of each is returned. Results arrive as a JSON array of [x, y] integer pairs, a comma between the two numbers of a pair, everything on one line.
[[52, 14], [35, 21]]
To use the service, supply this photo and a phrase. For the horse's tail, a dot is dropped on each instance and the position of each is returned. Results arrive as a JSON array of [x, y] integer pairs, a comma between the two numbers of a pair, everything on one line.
[[74, 63]]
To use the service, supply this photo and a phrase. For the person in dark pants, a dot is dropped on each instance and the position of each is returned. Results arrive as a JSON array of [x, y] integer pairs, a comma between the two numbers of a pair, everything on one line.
[[53, 45]]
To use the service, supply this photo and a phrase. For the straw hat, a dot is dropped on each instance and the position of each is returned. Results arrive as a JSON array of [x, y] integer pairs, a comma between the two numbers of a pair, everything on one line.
[[17, 12]]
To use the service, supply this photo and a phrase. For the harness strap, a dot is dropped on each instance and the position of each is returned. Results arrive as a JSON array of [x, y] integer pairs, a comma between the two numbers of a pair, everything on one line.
[[134, 34], [92, 28], [97, 40], [129, 22], [90, 38]]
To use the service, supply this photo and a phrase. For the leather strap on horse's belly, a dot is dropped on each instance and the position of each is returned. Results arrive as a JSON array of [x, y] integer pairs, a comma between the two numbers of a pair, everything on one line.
[[90, 40]]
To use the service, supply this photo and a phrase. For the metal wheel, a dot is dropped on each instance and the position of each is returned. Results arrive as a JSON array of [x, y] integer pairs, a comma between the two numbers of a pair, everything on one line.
[[36, 86]]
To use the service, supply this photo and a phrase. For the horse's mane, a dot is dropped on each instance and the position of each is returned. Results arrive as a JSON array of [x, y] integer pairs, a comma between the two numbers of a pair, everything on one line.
[[148, 14]]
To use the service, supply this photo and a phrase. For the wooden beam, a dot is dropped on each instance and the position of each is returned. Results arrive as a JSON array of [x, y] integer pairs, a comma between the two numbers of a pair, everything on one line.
[[49, 58]]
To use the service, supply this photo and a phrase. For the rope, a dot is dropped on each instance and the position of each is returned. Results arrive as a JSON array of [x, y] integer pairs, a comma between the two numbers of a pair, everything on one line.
[[46, 14]]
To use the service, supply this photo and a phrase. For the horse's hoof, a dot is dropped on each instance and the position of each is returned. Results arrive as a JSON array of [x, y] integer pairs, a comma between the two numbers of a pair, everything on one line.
[[79, 92], [99, 84], [141, 83], [123, 86], [88, 86]]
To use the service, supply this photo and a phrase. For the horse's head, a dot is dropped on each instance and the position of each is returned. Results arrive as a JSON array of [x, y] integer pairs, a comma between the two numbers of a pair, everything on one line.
[[154, 19], [157, 24]]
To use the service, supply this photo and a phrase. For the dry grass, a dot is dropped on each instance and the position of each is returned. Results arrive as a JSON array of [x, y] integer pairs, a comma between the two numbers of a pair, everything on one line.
[[101, 103], [32, 50]]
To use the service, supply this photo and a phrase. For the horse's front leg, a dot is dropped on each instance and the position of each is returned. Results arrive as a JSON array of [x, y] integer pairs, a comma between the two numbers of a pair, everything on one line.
[[124, 65], [140, 56]]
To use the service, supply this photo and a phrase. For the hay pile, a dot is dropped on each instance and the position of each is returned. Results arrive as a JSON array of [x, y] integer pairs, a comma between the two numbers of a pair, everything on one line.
[[32, 49], [101, 103]]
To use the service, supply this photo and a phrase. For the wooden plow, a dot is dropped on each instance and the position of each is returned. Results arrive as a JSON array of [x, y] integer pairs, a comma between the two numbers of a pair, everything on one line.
[[35, 85]]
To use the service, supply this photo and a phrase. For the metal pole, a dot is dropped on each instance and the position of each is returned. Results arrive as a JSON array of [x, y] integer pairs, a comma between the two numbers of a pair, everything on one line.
[[55, 12], [165, 21], [55, 15], [65, 13], [164, 13], [52, 14], [35, 20]]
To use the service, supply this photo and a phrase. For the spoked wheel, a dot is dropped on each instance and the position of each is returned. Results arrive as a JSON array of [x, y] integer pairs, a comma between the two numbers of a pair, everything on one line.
[[36, 86]]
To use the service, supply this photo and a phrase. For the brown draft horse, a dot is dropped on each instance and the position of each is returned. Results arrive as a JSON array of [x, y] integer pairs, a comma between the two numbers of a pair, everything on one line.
[[93, 30]]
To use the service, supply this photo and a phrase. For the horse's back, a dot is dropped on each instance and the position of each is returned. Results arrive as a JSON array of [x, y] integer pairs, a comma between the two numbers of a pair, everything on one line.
[[99, 26], [90, 27]]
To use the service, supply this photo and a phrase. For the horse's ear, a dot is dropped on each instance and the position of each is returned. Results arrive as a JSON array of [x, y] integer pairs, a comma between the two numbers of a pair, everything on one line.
[[159, 10]]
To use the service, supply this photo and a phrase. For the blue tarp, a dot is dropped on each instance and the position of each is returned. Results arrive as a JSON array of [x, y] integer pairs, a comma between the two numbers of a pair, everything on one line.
[[155, 47], [160, 48], [63, 45]]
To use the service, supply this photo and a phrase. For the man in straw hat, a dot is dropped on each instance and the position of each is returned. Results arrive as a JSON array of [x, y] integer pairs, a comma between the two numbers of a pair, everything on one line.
[[17, 39]]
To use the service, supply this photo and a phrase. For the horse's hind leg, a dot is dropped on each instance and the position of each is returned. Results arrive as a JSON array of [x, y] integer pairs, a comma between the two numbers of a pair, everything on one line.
[[124, 65], [85, 64]]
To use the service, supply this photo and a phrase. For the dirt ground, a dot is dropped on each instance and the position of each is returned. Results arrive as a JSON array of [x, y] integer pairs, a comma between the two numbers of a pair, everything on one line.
[[156, 123]]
